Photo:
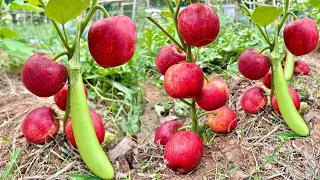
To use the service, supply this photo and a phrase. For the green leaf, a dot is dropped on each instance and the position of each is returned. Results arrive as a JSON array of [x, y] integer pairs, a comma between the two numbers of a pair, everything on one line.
[[34, 2], [166, 14], [16, 48], [286, 136], [83, 177], [20, 5], [7, 33], [1, 4], [265, 15], [4, 138], [63, 11], [315, 3]]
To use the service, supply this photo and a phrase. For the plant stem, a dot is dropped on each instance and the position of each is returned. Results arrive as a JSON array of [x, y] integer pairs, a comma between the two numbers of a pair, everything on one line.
[[186, 102], [189, 54], [105, 12], [243, 6], [169, 4], [175, 20], [206, 77], [197, 54], [293, 15], [205, 113], [43, 4], [265, 48], [61, 54], [194, 126], [165, 32], [183, 128], [65, 34]]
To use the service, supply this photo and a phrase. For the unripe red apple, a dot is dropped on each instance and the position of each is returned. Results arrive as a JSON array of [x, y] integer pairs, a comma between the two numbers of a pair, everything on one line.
[[42, 76], [214, 94], [97, 124], [61, 97], [301, 36], [267, 79], [253, 100], [295, 98], [184, 152], [301, 67], [166, 130], [184, 80], [39, 125], [112, 41], [223, 120], [168, 56], [198, 24], [253, 65]]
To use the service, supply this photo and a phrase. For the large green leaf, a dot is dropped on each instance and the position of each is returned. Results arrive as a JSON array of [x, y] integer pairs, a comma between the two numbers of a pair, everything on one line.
[[265, 15], [7, 33], [63, 11], [16, 48], [315, 3], [20, 5], [34, 2], [1, 4]]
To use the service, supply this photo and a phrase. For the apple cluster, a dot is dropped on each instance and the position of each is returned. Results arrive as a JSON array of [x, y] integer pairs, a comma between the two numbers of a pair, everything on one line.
[[198, 25], [44, 77], [300, 37]]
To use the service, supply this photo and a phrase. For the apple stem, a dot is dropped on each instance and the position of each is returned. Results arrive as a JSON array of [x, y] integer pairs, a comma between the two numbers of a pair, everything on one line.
[[189, 54], [165, 32], [194, 117], [186, 102], [61, 54], [206, 77], [206, 113], [183, 128]]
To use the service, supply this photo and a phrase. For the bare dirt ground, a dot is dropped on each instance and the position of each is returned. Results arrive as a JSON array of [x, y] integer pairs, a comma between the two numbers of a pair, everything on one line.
[[253, 150]]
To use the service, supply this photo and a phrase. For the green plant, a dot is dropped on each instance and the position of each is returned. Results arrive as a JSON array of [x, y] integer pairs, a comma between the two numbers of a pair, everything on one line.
[[262, 17]]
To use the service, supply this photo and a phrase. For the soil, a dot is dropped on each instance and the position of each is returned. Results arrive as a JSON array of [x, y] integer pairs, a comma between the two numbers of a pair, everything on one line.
[[252, 150]]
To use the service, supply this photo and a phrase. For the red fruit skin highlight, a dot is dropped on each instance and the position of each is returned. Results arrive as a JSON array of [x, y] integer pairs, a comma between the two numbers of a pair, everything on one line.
[[253, 65], [61, 97], [214, 94], [184, 80], [301, 36], [295, 98], [184, 152], [112, 41], [223, 120], [42, 76], [198, 24], [168, 56], [253, 100], [39, 125], [97, 124], [301, 67], [166, 130]]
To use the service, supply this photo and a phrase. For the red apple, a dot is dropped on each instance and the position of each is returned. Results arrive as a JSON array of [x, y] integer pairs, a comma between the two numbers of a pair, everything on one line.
[[301, 67], [301, 36], [183, 152], [42, 76], [61, 97], [166, 130], [267, 79], [253, 100], [198, 24], [223, 120], [168, 56], [40, 125], [112, 41], [97, 124], [295, 98], [214, 94], [184, 80], [253, 65]]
